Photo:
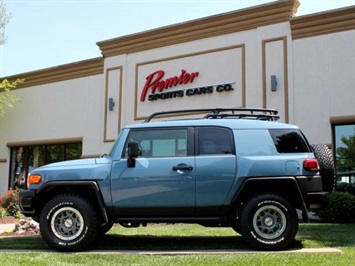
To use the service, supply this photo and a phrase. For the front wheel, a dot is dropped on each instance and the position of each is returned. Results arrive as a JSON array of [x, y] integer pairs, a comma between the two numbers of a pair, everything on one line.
[[268, 222], [68, 223]]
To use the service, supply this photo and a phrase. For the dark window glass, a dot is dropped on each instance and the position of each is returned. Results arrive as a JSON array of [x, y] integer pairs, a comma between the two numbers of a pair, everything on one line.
[[289, 140], [214, 141], [72, 151], [26, 158], [54, 153], [344, 142]]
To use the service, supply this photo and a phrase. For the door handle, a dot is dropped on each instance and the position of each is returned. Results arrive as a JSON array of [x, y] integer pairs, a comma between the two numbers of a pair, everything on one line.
[[182, 166]]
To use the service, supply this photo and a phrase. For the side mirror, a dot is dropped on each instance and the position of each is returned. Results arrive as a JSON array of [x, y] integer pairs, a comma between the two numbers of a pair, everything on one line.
[[133, 153]]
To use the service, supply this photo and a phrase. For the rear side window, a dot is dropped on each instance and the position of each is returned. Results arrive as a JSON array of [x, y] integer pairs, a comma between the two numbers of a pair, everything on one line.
[[289, 140], [214, 141]]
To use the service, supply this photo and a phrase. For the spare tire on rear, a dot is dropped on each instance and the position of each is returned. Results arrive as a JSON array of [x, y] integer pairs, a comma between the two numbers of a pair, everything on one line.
[[326, 165]]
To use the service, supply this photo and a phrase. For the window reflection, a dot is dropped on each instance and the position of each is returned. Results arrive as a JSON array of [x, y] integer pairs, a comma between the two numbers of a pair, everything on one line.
[[25, 159], [345, 157], [161, 142]]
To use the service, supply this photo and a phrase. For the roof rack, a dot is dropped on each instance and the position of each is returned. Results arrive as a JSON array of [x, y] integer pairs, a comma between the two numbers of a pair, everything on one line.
[[221, 113]]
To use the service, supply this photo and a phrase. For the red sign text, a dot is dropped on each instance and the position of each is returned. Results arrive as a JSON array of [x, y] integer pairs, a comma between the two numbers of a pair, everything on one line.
[[155, 82]]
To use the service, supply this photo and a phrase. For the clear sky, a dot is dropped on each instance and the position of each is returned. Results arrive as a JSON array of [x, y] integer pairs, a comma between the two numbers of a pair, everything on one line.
[[47, 33]]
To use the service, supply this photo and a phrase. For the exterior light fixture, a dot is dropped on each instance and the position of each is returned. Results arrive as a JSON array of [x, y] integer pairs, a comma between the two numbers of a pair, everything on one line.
[[111, 104], [273, 83]]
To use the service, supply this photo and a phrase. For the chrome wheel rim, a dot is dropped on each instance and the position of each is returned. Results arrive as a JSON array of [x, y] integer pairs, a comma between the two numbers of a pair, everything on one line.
[[67, 223], [269, 222]]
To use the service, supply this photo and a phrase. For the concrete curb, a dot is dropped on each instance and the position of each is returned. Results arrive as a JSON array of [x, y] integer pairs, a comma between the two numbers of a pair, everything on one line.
[[214, 252], [180, 252]]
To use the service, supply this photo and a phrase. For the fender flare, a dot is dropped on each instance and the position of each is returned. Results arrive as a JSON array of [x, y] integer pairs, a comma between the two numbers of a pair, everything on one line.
[[292, 184], [91, 184]]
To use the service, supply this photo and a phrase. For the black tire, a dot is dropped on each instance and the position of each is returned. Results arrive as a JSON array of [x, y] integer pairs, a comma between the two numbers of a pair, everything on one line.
[[235, 227], [326, 165], [268, 222], [68, 223]]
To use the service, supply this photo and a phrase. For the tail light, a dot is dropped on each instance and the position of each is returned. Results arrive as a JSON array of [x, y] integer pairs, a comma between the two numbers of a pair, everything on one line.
[[311, 164]]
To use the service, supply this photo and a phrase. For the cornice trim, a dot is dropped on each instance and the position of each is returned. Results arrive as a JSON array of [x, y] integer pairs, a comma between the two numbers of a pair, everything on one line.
[[45, 142], [342, 120], [90, 156], [74, 70], [323, 23], [221, 24]]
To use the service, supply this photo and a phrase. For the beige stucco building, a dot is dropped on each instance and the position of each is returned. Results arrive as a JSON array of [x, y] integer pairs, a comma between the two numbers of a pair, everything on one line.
[[226, 60]]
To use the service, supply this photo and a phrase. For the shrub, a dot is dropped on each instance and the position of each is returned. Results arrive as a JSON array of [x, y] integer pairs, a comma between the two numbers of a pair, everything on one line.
[[9, 202], [3, 212], [341, 208]]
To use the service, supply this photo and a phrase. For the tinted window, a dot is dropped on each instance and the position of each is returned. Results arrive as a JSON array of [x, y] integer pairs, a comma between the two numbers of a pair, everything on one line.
[[160, 142], [345, 148], [289, 140], [344, 140], [214, 141], [26, 158]]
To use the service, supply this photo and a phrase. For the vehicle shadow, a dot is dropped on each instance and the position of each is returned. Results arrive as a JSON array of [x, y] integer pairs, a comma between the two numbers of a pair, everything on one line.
[[144, 242], [172, 243]]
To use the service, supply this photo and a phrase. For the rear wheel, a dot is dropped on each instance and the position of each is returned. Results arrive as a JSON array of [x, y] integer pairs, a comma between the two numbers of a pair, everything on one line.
[[268, 222], [68, 223]]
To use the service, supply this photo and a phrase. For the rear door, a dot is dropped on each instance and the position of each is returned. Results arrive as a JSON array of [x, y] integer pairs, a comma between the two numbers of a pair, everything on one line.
[[215, 167]]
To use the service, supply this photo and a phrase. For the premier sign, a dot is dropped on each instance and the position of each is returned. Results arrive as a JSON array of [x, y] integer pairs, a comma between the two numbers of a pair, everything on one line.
[[157, 86], [196, 80], [155, 83]]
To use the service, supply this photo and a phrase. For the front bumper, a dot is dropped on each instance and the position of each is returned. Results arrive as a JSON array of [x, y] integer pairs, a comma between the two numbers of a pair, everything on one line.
[[27, 202]]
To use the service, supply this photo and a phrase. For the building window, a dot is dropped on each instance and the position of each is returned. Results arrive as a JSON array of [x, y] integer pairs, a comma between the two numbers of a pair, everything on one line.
[[26, 158], [344, 151]]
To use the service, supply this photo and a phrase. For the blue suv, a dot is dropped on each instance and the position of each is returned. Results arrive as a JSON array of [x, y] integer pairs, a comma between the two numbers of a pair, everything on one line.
[[235, 168]]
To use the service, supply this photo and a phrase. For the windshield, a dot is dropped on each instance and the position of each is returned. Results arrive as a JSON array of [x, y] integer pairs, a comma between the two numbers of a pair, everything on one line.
[[116, 149]]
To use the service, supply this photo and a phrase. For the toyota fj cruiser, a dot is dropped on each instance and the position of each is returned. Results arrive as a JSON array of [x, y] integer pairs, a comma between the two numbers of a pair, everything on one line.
[[235, 168]]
